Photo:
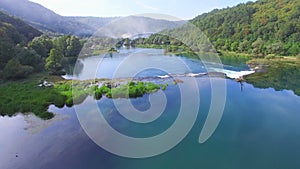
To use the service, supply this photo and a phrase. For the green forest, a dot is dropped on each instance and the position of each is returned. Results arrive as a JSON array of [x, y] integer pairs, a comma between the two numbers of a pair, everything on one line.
[[262, 28], [25, 50]]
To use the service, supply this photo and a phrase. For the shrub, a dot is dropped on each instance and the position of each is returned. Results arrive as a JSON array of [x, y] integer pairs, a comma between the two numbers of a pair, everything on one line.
[[14, 70]]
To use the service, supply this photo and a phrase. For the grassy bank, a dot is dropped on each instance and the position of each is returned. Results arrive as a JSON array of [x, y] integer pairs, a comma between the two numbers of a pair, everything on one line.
[[235, 54], [27, 96], [129, 90], [279, 73]]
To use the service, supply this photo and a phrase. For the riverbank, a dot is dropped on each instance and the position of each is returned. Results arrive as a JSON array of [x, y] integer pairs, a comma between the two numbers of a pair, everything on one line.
[[26, 96], [35, 93], [279, 73]]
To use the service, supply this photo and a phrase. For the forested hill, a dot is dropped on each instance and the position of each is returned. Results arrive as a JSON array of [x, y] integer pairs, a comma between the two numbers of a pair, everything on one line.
[[15, 31], [48, 21], [14, 36], [43, 18], [260, 28]]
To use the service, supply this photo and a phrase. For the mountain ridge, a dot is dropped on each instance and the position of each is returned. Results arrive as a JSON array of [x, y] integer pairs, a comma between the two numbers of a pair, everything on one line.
[[48, 21], [15, 30]]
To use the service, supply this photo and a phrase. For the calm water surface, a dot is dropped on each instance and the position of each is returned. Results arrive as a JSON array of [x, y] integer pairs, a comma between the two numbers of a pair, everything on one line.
[[259, 129]]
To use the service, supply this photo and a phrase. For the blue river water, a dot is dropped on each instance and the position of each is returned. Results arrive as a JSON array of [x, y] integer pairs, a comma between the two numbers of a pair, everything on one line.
[[259, 128]]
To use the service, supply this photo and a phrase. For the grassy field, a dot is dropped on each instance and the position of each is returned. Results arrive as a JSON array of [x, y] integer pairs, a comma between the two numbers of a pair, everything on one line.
[[26, 96]]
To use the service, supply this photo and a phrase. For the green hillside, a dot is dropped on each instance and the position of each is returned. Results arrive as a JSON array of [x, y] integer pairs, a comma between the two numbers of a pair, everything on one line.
[[43, 18], [15, 34], [262, 28], [15, 30], [48, 21], [259, 28]]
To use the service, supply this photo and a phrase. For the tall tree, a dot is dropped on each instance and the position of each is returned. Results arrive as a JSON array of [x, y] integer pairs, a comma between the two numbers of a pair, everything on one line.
[[53, 62], [257, 47], [42, 45], [74, 47]]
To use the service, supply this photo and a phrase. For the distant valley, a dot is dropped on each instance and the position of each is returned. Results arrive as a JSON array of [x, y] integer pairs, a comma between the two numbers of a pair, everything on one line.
[[48, 21]]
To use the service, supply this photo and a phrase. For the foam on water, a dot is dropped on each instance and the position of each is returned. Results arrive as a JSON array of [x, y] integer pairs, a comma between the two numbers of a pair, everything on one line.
[[235, 74]]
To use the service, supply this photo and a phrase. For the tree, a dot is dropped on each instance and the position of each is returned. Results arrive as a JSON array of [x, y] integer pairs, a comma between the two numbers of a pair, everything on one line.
[[53, 62], [294, 49], [244, 46], [42, 45], [74, 47], [61, 44], [15, 70], [275, 48], [257, 47], [234, 46], [29, 57], [7, 50]]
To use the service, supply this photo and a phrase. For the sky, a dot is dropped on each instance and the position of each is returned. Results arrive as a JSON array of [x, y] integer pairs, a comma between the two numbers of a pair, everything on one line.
[[182, 9]]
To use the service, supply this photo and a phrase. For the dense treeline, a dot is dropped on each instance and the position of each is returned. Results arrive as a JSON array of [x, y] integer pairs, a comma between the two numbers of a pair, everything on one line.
[[15, 30], [258, 28], [63, 54], [179, 41], [24, 50], [15, 59]]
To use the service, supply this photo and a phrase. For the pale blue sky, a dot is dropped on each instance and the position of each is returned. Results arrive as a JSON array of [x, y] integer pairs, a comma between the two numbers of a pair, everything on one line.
[[184, 9]]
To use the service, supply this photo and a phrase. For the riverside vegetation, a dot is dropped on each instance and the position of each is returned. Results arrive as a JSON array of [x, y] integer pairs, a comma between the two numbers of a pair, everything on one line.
[[263, 32], [27, 96], [24, 52], [279, 73]]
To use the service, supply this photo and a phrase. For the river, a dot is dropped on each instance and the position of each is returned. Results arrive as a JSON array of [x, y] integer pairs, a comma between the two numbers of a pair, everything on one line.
[[259, 128]]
